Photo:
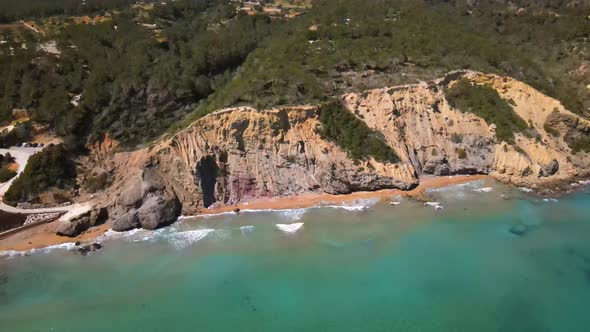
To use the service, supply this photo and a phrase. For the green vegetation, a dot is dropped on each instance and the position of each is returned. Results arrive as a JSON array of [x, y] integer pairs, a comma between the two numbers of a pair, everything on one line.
[[550, 130], [21, 133], [13, 10], [461, 154], [581, 144], [405, 41], [51, 168], [137, 81], [456, 138], [5, 172], [486, 103], [153, 68], [352, 134], [132, 85]]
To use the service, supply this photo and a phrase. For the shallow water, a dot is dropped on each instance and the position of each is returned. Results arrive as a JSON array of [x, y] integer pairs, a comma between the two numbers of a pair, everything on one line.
[[369, 267]]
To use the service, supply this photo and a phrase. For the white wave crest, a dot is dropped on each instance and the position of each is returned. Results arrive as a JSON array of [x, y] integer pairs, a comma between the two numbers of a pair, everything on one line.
[[356, 205], [484, 190], [246, 229], [15, 253], [290, 228], [181, 240], [294, 214], [434, 205], [134, 235]]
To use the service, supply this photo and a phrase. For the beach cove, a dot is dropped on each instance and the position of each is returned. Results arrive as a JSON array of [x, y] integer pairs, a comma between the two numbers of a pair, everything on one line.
[[44, 236], [356, 266]]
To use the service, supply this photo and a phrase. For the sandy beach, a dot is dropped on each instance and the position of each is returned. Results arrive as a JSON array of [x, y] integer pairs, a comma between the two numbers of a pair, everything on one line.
[[307, 200], [44, 235]]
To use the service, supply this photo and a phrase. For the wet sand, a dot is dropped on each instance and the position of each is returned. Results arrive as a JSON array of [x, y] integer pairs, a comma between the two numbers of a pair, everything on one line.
[[307, 200], [44, 235]]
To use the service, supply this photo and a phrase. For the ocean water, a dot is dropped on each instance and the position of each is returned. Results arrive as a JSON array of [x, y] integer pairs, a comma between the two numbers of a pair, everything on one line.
[[367, 266]]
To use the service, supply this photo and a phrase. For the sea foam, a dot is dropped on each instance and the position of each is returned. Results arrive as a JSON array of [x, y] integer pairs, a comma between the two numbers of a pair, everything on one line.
[[181, 240], [434, 205], [290, 228], [246, 229], [15, 253], [356, 205]]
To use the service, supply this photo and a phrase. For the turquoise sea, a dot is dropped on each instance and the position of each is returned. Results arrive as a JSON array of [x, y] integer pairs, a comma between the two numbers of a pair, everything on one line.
[[366, 266]]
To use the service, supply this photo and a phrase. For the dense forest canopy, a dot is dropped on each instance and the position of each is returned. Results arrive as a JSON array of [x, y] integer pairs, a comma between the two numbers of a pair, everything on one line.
[[28, 9], [137, 70], [130, 84], [147, 66]]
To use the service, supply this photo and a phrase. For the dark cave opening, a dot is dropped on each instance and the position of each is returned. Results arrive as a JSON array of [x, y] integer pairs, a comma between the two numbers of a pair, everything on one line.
[[207, 170]]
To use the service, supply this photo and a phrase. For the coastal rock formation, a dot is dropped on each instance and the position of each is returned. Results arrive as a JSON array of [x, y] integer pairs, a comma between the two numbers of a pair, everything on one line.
[[434, 138], [85, 249], [126, 222], [240, 154], [76, 226]]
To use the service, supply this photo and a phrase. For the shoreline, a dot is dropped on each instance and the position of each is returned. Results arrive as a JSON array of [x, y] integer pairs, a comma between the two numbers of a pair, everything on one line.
[[44, 235], [314, 199]]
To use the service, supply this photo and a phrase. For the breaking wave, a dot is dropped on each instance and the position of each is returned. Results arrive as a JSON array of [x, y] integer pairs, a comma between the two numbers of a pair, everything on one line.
[[290, 228], [15, 253], [181, 240], [356, 205], [246, 229]]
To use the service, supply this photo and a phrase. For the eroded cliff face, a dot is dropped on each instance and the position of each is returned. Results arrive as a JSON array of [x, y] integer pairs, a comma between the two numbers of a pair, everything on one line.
[[242, 153], [239, 154], [436, 139]]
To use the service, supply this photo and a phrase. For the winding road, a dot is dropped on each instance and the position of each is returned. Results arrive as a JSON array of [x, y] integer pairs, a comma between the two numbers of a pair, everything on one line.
[[22, 156]]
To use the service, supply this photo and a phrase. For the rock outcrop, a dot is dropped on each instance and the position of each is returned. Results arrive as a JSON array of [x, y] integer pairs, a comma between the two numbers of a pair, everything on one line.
[[79, 224], [240, 154], [126, 222]]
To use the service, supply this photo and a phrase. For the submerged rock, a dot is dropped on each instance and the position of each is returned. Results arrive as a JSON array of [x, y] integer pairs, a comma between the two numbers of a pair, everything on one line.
[[519, 230], [88, 248]]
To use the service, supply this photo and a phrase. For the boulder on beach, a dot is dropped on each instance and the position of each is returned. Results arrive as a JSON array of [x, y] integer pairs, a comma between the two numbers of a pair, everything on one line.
[[74, 227], [126, 222], [79, 224], [158, 211]]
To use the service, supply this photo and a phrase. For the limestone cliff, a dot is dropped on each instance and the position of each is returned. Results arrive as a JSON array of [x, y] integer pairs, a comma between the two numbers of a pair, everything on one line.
[[239, 154], [436, 139]]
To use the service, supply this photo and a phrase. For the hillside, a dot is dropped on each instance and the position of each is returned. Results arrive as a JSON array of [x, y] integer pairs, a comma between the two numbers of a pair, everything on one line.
[[240, 154], [135, 75]]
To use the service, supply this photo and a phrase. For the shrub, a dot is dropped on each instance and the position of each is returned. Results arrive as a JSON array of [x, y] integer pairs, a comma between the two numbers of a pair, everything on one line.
[[461, 154], [550, 130], [52, 167], [580, 144], [456, 138], [352, 134], [6, 174], [485, 102]]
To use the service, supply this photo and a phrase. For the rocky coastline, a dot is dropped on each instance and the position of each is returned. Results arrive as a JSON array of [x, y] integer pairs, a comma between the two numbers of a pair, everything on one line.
[[242, 154]]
